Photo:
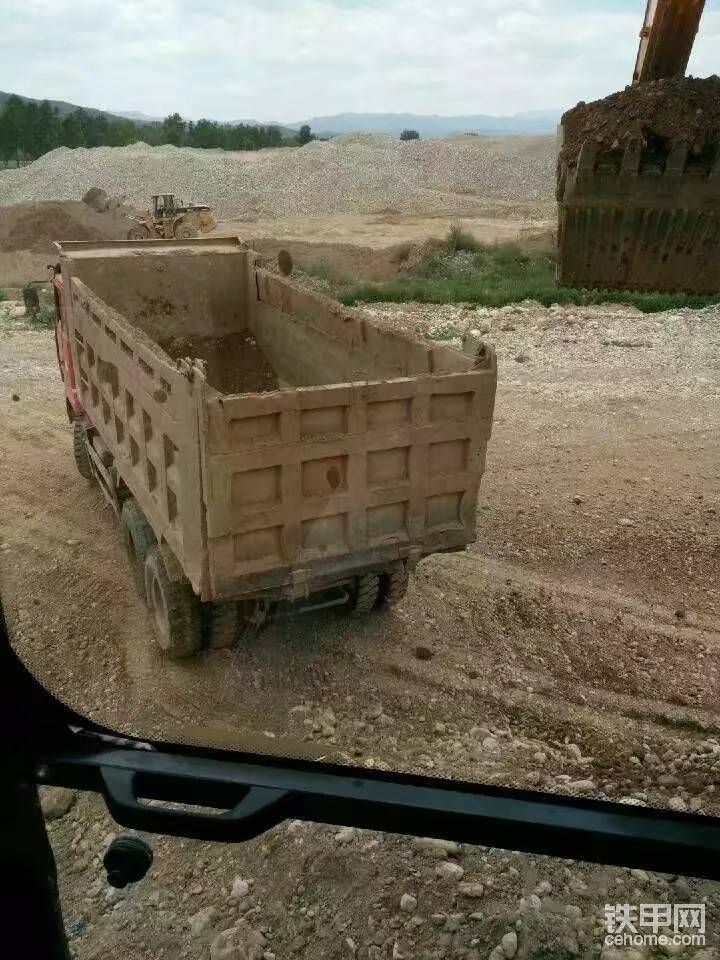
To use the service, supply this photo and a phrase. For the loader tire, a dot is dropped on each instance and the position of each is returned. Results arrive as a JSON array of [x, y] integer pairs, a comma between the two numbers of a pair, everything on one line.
[[185, 231], [174, 608], [222, 625], [80, 451], [394, 584], [367, 593], [140, 232], [138, 537]]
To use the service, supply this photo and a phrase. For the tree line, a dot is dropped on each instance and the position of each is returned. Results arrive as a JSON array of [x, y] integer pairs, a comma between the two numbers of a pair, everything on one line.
[[29, 129]]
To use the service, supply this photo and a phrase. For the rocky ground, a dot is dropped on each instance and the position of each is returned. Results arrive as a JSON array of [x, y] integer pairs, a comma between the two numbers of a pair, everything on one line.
[[304, 890], [574, 648]]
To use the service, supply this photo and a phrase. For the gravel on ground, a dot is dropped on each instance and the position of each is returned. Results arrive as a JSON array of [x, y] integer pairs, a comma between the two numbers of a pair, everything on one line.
[[351, 174]]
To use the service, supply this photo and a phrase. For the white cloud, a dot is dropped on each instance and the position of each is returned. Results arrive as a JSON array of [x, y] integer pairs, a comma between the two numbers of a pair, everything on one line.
[[290, 60]]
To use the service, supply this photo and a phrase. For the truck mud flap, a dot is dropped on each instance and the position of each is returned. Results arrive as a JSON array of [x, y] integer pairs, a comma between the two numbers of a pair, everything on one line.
[[644, 218]]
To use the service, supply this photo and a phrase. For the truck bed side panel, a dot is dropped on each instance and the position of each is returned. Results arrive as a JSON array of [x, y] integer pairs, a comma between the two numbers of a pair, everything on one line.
[[145, 411], [311, 339]]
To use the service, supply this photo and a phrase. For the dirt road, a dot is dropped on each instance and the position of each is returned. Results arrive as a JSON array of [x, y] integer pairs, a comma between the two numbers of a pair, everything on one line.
[[587, 612], [574, 648]]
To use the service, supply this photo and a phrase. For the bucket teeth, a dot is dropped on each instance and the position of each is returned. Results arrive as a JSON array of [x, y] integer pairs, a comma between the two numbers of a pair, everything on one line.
[[640, 219]]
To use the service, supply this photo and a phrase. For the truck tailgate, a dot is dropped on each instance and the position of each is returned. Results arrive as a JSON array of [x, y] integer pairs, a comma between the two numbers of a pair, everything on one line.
[[314, 482]]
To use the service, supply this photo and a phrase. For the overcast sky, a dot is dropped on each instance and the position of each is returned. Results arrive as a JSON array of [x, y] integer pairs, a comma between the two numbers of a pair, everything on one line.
[[290, 60]]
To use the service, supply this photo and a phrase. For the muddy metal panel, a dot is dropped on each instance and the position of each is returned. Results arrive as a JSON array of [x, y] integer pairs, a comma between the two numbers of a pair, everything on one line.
[[145, 410], [315, 340], [319, 481], [631, 220], [167, 288]]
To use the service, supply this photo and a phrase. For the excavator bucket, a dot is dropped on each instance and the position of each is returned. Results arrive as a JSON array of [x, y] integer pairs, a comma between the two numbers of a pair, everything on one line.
[[639, 172], [639, 189], [634, 219], [206, 221]]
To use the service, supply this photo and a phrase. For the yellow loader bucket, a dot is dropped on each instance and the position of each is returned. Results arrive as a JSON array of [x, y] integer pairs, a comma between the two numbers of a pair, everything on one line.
[[207, 221]]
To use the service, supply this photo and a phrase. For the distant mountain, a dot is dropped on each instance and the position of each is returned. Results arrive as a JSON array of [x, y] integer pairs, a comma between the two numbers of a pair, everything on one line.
[[533, 121], [283, 127], [63, 107], [137, 117]]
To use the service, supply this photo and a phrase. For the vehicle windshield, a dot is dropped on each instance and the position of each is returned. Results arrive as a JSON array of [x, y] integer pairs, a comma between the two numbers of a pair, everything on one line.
[[392, 444]]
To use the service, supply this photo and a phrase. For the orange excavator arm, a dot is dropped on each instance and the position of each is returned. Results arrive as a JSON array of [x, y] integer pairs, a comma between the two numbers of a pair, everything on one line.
[[667, 38]]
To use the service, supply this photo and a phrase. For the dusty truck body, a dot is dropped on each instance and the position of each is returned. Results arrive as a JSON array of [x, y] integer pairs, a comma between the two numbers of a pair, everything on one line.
[[260, 442]]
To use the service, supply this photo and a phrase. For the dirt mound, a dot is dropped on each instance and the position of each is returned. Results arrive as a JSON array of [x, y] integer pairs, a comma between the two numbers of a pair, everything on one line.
[[661, 113], [36, 226]]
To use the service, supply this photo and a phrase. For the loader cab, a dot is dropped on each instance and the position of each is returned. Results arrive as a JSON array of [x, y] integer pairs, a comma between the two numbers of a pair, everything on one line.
[[165, 205]]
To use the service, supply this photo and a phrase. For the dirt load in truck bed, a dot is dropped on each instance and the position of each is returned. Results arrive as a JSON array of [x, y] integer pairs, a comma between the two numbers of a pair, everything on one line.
[[685, 109], [235, 362]]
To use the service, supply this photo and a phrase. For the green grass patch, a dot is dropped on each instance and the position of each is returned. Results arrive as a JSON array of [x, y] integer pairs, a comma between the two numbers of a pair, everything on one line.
[[322, 271], [2, 296], [494, 276], [42, 319], [459, 239]]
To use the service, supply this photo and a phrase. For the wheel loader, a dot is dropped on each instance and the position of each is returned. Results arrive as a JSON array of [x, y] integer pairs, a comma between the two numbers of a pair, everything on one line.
[[638, 182], [169, 219]]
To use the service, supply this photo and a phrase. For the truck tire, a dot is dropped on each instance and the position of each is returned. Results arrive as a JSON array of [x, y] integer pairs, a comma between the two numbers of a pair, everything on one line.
[[222, 625], [138, 537], [367, 593], [82, 457], [394, 584], [174, 608]]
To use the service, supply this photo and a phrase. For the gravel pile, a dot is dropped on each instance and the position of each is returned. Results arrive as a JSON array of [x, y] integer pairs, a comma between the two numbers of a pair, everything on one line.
[[350, 174]]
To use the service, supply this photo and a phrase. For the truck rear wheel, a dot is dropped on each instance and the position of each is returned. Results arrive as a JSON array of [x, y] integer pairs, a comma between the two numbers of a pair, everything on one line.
[[254, 615], [394, 584], [367, 594], [222, 625], [80, 451], [174, 607], [138, 537]]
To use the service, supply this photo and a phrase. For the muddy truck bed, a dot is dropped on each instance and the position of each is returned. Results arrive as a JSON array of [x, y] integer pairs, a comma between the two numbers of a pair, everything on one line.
[[276, 442], [639, 189]]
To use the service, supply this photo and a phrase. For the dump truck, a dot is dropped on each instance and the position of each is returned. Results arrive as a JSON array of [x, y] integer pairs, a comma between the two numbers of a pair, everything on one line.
[[638, 179], [262, 445]]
